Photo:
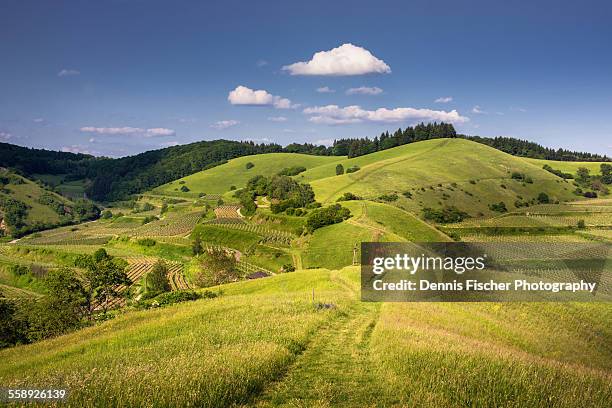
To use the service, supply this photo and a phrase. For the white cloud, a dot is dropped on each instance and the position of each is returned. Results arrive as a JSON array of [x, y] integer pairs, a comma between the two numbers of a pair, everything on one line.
[[169, 144], [92, 139], [68, 72], [75, 149], [261, 63], [444, 99], [277, 119], [348, 59], [128, 131], [224, 124], [5, 136], [261, 140], [324, 142], [289, 130], [514, 108], [38, 120], [335, 115], [247, 96], [478, 109], [364, 90], [325, 89]]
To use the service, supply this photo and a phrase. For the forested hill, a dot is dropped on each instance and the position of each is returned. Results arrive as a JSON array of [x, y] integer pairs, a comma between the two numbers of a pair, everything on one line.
[[116, 179]]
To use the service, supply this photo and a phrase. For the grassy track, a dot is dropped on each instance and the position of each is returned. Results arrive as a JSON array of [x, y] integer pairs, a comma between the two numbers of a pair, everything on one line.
[[263, 343]]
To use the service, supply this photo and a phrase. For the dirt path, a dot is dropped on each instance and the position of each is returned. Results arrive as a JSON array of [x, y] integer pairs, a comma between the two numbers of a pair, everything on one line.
[[335, 368]]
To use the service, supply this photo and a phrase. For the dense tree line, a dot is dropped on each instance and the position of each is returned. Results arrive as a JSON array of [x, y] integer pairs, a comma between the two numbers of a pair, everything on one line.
[[524, 148]]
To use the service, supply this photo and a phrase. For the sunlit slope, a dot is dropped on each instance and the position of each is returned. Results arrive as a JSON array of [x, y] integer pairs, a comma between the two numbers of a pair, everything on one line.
[[266, 343], [219, 180], [39, 210], [466, 174], [338, 245], [567, 166]]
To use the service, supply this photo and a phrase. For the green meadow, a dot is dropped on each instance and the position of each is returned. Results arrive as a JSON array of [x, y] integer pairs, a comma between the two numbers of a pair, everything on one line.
[[268, 343]]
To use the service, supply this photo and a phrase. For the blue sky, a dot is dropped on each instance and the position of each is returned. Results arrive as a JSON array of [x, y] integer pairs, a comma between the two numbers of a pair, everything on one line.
[[124, 76]]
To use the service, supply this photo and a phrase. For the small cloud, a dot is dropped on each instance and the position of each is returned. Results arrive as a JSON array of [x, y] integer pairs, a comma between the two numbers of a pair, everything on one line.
[[68, 72], [92, 139], [335, 115], [347, 59], [261, 63], [325, 89], [277, 119], [224, 124], [324, 142], [187, 120], [261, 140], [477, 109], [128, 131], [518, 109], [444, 99], [249, 97], [75, 149], [289, 130], [500, 113], [5, 136], [364, 90], [169, 144], [38, 120]]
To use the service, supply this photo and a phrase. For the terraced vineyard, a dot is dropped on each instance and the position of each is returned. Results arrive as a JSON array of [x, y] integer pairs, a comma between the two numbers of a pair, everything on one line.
[[227, 211], [138, 268], [172, 225], [270, 236]]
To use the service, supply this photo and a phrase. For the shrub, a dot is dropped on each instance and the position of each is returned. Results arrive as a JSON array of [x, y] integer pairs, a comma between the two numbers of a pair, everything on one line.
[[498, 207], [339, 169], [444, 215], [292, 171], [170, 298], [348, 197], [184, 189], [149, 219], [232, 188], [106, 214], [326, 216], [590, 194], [249, 165], [543, 198], [389, 197], [581, 224], [146, 242], [407, 194], [157, 280], [353, 169]]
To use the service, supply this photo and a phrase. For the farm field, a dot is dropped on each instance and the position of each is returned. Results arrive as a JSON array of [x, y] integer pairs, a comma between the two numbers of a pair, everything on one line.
[[283, 349]]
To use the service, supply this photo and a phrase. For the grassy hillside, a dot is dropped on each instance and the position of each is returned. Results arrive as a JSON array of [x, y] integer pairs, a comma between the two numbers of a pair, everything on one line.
[[41, 208], [333, 246], [265, 343], [218, 180], [567, 166], [466, 174]]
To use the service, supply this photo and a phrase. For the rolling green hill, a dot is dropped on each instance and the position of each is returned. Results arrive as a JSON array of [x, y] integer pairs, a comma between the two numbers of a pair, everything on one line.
[[219, 180], [267, 343], [469, 175], [26, 206]]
